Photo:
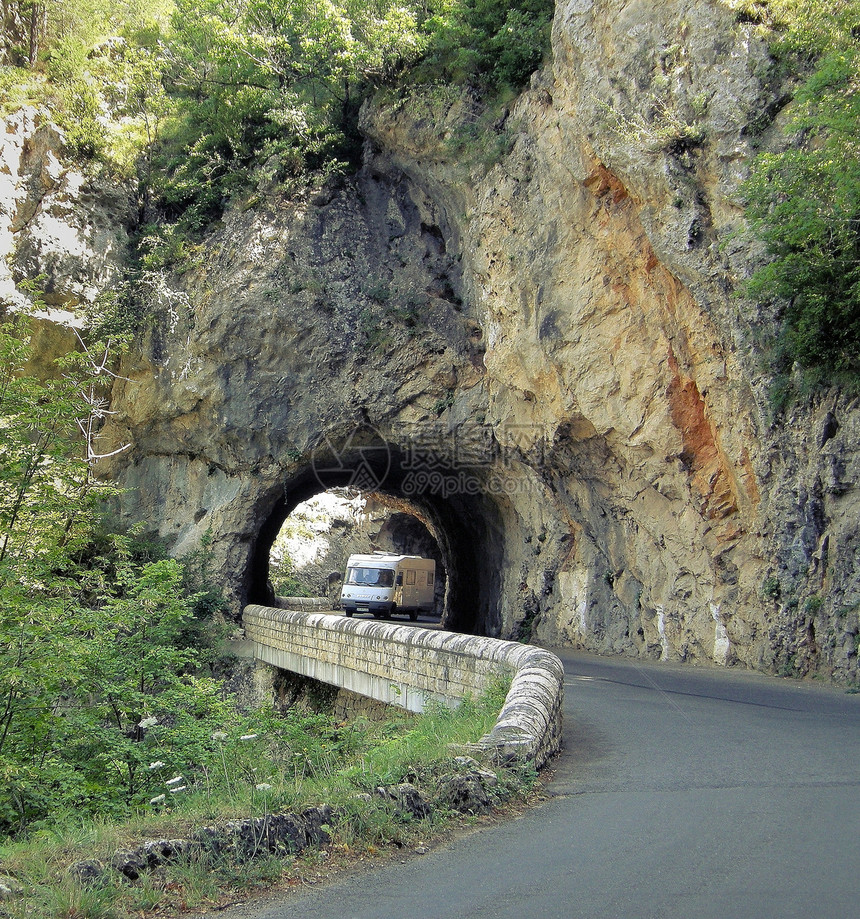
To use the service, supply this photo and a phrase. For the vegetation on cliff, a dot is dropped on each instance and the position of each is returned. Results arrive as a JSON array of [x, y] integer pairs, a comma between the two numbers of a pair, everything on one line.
[[204, 98], [803, 200], [98, 636]]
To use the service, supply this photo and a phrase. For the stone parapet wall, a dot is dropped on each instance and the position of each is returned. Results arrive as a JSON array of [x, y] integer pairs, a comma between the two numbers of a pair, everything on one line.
[[308, 604], [409, 667]]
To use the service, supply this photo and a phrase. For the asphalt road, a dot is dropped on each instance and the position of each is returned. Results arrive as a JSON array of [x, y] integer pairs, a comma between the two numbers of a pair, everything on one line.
[[680, 793]]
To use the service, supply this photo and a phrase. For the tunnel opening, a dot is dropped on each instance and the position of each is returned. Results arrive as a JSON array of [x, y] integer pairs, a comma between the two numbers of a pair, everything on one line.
[[309, 555], [463, 519]]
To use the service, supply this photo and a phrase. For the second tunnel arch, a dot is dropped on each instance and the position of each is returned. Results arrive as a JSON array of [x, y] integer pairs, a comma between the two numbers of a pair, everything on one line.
[[466, 520]]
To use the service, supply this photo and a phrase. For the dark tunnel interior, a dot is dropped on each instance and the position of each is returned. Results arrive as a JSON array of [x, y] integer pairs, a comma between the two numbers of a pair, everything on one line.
[[465, 520]]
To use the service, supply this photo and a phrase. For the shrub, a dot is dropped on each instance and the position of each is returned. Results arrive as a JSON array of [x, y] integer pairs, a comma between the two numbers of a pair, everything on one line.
[[487, 43], [804, 202]]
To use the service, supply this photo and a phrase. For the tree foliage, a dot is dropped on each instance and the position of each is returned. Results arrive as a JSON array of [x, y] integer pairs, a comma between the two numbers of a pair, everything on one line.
[[804, 201], [281, 82], [490, 44], [208, 94], [90, 630], [62, 28]]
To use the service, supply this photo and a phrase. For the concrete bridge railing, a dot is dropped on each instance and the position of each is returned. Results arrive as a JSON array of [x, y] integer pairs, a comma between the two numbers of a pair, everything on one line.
[[406, 666]]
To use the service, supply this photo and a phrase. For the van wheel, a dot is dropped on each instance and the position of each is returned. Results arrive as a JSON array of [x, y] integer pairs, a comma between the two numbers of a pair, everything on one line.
[[348, 613], [413, 615]]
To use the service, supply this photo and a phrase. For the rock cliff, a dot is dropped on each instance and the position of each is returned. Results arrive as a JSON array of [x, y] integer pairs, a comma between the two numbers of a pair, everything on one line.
[[539, 353], [14, 32], [59, 227]]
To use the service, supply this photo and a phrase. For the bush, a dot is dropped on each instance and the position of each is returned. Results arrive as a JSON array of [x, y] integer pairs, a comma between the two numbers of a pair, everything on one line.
[[94, 667], [487, 43], [804, 203]]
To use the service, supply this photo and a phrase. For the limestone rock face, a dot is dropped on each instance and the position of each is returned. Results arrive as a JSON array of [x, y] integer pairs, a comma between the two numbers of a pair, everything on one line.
[[600, 257], [55, 220], [542, 358], [307, 328]]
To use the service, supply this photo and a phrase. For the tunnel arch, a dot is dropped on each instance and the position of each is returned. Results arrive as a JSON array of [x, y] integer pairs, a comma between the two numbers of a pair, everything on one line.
[[463, 516]]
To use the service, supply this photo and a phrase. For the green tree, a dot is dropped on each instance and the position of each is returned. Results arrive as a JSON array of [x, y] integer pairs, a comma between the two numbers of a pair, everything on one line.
[[804, 201], [255, 80], [805, 204], [47, 499], [91, 637], [47, 486], [489, 43], [65, 26], [137, 695], [389, 38]]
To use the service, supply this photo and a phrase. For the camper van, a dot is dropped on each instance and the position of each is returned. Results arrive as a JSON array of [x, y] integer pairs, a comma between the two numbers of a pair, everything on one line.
[[384, 584]]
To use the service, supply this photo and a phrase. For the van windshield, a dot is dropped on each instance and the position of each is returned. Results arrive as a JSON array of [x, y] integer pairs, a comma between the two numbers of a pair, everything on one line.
[[370, 577]]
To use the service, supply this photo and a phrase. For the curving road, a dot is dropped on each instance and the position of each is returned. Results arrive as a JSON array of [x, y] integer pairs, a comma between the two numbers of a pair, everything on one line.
[[681, 793]]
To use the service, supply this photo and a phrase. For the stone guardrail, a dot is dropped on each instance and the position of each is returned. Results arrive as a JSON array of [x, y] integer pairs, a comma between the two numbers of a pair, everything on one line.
[[308, 604], [407, 666]]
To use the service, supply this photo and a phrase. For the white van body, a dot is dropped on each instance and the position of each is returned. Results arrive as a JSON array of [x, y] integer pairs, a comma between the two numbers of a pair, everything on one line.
[[384, 584]]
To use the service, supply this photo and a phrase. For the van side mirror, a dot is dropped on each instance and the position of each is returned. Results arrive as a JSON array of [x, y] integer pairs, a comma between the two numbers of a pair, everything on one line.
[[400, 579]]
